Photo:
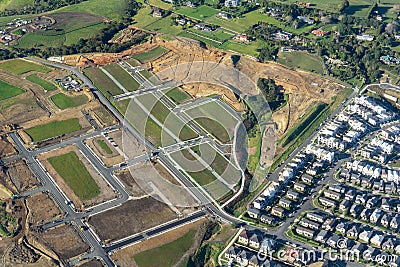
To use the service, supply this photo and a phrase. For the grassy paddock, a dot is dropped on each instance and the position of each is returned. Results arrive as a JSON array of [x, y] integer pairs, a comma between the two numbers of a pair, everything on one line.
[[48, 86], [301, 60], [200, 13], [7, 90], [53, 129], [75, 174], [21, 66]]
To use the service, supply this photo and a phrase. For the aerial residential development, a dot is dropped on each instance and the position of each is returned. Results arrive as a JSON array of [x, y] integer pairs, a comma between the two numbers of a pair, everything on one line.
[[199, 133]]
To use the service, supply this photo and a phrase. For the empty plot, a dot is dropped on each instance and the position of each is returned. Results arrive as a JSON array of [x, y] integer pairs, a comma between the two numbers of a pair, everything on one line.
[[20, 66], [167, 118], [7, 90], [150, 55], [73, 171], [125, 79], [102, 82], [48, 86], [63, 101], [215, 119], [177, 95], [53, 129]]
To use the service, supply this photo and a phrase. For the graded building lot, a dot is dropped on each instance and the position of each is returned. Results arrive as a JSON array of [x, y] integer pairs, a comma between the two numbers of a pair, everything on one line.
[[130, 218], [46, 85], [123, 77], [18, 177], [164, 250], [177, 95], [21, 66], [53, 129], [64, 240], [83, 185], [103, 117], [105, 151], [90, 263], [74, 173], [127, 143], [7, 90], [42, 209], [215, 120], [6, 147], [102, 81], [150, 55], [63, 101], [130, 184]]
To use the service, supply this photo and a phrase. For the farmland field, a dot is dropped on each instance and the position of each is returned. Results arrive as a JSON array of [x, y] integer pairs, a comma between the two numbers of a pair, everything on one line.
[[102, 82], [20, 66], [73, 171], [301, 60], [201, 12], [48, 86], [63, 101], [53, 129], [123, 77], [150, 55], [7, 90]]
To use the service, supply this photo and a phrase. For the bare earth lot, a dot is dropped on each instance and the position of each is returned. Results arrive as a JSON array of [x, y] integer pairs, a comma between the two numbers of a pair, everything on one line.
[[64, 241], [130, 184], [131, 218], [124, 257], [18, 177], [128, 143], [6, 148], [42, 209], [106, 192]]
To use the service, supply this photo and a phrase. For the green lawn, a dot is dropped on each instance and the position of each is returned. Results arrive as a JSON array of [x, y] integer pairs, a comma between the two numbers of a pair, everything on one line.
[[203, 177], [302, 60], [21, 66], [53, 129], [200, 12], [48, 86], [123, 77], [166, 255], [150, 55], [63, 101], [177, 95], [102, 82], [7, 90], [104, 146], [75, 174]]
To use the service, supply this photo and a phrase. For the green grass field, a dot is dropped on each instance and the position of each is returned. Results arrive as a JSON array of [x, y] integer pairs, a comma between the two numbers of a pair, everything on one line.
[[125, 79], [144, 17], [214, 128], [102, 82], [104, 146], [7, 90], [246, 49], [48, 86], [177, 95], [218, 35], [20, 66], [160, 4], [53, 129], [164, 25], [63, 101], [75, 174], [14, 4], [166, 255], [303, 61], [200, 12], [111, 9], [150, 55], [203, 177]]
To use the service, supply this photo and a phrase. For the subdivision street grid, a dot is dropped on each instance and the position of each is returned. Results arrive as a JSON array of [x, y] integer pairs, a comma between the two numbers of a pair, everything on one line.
[[326, 158]]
